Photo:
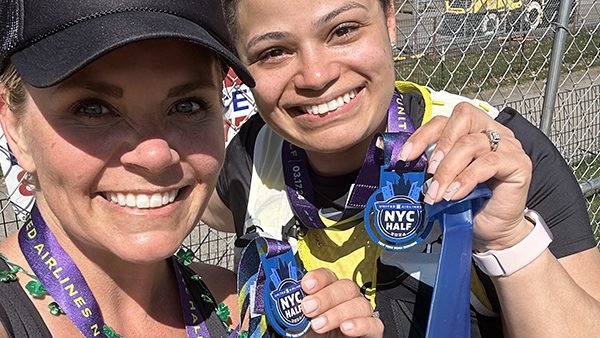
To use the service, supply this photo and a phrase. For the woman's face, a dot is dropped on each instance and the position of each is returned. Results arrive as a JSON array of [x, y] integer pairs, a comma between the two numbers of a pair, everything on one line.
[[324, 69], [127, 151]]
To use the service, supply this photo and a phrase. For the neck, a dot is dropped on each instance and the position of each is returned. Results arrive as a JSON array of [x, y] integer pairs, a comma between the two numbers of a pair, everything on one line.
[[344, 161], [339, 163], [131, 295]]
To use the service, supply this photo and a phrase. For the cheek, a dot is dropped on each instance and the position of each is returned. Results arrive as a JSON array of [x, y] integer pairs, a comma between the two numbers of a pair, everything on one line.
[[270, 86], [204, 150]]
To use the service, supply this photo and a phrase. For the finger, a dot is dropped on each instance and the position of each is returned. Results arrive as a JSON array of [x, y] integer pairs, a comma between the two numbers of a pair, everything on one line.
[[331, 319], [329, 297], [425, 135], [466, 119], [368, 327], [512, 168], [316, 280], [466, 149]]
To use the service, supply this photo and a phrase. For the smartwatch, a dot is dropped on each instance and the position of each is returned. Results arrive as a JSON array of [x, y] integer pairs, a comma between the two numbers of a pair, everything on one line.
[[505, 262]]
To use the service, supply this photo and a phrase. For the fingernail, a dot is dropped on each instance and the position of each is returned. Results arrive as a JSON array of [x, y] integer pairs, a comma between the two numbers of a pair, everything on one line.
[[406, 150], [318, 323], [309, 284], [434, 161], [451, 191], [347, 326], [309, 304], [431, 193]]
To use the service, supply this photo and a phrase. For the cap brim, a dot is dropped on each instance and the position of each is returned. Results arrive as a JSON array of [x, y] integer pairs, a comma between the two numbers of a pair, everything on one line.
[[56, 57]]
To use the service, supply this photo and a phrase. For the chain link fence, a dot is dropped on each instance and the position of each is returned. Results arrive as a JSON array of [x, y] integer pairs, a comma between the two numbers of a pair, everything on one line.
[[541, 57]]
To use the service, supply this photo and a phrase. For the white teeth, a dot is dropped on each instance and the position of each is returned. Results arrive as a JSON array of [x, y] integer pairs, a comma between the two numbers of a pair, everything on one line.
[[331, 105], [346, 98], [130, 200], [156, 200], [142, 201], [122, 201]]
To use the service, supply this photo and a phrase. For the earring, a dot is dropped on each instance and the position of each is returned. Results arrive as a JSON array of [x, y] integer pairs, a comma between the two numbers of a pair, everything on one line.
[[28, 180]]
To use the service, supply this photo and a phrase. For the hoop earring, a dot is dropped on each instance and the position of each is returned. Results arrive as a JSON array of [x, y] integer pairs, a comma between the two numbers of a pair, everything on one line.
[[29, 181]]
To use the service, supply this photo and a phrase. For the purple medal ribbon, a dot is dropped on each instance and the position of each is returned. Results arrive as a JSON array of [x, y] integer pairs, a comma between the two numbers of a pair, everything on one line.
[[299, 187], [60, 276], [62, 279], [195, 325]]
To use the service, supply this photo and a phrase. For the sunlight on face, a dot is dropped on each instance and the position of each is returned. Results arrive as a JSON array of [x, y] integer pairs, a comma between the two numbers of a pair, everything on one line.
[[127, 150], [324, 70]]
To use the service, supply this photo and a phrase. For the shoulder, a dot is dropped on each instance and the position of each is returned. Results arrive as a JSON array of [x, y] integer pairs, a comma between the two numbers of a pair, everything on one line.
[[220, 281], [442, 103], [222, 284]]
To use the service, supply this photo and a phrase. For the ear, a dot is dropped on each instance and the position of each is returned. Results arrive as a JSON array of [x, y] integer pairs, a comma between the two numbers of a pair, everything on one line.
[[391, 23], [14, 134]]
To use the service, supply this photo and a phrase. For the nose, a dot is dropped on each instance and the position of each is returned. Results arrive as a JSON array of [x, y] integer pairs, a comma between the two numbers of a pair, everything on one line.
[[315, 70], [152, 154]]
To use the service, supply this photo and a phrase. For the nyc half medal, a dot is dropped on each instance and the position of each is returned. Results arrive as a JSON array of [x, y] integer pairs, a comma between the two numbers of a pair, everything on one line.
[[394, 215], [282, 292]]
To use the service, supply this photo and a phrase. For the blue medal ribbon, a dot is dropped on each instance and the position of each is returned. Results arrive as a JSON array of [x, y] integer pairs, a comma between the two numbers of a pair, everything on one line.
[[273, 292], [449, 314]]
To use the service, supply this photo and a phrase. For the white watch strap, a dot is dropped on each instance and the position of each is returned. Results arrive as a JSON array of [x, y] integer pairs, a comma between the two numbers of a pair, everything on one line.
[[510, 260]]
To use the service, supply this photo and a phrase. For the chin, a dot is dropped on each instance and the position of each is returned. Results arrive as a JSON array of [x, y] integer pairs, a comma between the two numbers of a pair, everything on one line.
[[148, 250]]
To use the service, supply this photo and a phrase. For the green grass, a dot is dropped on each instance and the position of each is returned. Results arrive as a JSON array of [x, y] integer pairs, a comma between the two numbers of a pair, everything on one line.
[[506, 62]]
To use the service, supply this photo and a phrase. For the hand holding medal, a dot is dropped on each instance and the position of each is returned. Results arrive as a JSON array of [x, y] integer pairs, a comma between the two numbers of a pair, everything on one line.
[[468, 153], [272, 289], [465, 156]]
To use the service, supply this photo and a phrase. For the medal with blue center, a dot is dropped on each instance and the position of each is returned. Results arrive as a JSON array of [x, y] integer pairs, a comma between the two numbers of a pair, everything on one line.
[[272, 291], [283, 292], [394, 216]]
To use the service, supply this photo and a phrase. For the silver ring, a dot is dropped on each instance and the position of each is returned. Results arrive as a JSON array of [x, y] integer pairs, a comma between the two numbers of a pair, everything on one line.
[[494, 138], [375, 314]]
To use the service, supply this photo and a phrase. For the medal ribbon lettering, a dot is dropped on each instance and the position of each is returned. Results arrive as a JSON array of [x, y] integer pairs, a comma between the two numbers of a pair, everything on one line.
[[64, 282]]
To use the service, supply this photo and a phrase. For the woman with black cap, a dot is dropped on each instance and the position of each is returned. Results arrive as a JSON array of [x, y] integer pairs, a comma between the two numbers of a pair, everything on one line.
[[114, 110]]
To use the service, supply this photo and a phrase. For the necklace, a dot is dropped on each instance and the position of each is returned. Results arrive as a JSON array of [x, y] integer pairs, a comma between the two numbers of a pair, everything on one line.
[[37, 290], [55, 273]]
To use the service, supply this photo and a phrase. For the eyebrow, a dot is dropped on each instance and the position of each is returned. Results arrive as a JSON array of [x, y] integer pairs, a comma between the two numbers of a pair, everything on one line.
[[96, 86], [326, 18], [331, 15], [267, 36], [184, 89], [117, 92]]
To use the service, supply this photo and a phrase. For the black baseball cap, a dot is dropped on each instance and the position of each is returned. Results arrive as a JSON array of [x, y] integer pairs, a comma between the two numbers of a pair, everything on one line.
[[49, 40]]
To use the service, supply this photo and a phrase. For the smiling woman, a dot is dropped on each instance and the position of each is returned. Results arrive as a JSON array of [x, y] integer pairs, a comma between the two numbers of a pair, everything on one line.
[[103, 122], [309, 169], [114, 111]]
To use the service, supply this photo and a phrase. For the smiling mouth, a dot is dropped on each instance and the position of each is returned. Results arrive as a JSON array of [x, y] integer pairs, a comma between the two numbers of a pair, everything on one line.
[[324, 108], [141, 201]]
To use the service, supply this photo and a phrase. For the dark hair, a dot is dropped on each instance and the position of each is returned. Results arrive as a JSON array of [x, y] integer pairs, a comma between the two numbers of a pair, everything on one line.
[[230, 10]]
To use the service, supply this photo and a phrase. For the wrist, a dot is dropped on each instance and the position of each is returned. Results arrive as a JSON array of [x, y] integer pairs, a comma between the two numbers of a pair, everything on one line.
[[520, 231], [506, 261]]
